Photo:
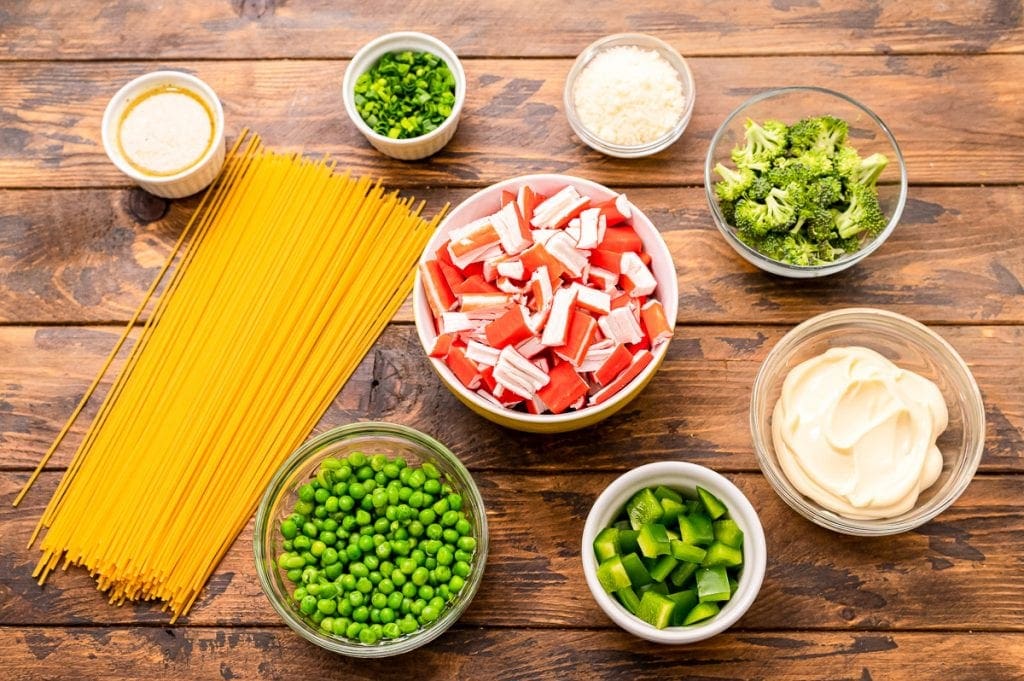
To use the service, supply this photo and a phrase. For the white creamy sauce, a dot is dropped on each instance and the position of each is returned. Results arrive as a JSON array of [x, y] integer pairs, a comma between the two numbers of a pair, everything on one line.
[[165, 132], [856, 433], [628, 96]]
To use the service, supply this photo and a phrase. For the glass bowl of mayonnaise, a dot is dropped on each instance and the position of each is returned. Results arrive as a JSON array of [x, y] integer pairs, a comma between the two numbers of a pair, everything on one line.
[[866, 422]]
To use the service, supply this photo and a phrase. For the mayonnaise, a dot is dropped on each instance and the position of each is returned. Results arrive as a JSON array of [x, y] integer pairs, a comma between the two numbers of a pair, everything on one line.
[[856, 433], [165, 131]]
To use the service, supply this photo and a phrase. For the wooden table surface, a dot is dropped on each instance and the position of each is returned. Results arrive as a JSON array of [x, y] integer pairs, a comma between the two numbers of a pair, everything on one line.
[[78, 246]]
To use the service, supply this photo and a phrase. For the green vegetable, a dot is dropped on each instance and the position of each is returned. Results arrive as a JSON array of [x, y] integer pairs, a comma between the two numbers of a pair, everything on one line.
[[664, 577], [801, 194], [366, 565], [655, 609], [404, 95]]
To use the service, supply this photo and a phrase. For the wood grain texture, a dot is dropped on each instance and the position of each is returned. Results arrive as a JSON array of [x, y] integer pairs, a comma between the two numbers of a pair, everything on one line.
[[45, 370], [88, 256], [952, 115], [240, 29], [961, 571], [511, 655]]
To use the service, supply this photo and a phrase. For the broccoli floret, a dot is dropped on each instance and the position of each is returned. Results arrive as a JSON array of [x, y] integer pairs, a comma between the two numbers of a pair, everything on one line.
[[733, 182], [759, 188], [728, 211], [856, 170], [817, 162], [764, 143], [797, 250], [821, 133], [789, 174], [862, 216], [824, 191], [869, 169], [777, 212], [771, 244], [817, 223]]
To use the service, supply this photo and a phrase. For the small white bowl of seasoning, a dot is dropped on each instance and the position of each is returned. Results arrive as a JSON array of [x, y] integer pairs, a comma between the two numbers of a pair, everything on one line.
[[165, 130], [418, 143], [629, 95]]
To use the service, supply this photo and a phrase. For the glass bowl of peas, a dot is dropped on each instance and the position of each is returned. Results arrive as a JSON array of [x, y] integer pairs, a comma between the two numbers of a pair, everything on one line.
[[371, 540]]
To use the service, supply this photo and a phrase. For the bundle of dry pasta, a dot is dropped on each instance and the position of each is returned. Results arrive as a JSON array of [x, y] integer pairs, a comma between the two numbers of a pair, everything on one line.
[[290, 274]]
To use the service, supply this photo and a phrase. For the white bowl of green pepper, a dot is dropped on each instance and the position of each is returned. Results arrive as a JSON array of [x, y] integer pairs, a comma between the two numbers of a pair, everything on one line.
[[404, 92], [673, 552]]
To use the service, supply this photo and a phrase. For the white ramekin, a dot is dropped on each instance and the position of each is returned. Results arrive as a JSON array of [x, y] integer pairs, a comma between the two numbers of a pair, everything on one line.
[[677, 475], [413, 148], [189, 181]]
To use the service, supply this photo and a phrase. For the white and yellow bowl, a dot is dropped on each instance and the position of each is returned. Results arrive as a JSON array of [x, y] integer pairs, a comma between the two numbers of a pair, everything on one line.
[[486, 202]]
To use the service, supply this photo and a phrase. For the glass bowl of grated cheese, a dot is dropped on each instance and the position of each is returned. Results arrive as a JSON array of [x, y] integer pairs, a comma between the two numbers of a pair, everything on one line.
[[629, 95]]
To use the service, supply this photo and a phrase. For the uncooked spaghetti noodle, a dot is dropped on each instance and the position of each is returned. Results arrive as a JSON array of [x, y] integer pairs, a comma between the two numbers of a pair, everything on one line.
[[291, 272]]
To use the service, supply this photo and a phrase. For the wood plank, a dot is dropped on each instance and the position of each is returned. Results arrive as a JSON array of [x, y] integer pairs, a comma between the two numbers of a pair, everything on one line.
[[510, 655], [45, 370], [89, 256], [272, 29], [961, 571], [950, 114]]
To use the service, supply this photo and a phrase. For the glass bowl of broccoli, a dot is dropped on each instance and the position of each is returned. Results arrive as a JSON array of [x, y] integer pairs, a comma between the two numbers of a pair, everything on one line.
[[804, 181]]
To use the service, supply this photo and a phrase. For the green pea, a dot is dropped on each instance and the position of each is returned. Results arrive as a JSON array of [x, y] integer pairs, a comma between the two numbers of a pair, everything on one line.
[[356, 598], [467, 544], [440, 507], [320, 512], [426, 592], [432, 487], [398, 578], [395, 600], [317, 549], [387, 615], [430, 563], [361, 614], [405, 493], [375, 577], [463, 527], [353, 552], [345, 606], [346, 504], [329, 557], [461, 568], [417, 478], [348, 582], [333, 571], [416, 529], [407, 625], [365, 543], [288, 529], [313, 589], [384, 550], [357, 459], [392, 630], [364, 585], [368, 636], [391, 470], [330, 525], [386, 586], [340, 625], [464, 555], [331, 504], [304, 508], [369, 486], [327, 606], [416, 499], [450, 518], [328, 590], [432, 546], [364, 473], [307, 605], [381, 525], [309, 529], [420, 576], [363, 518], [456, 583], [306, 492], [299, 593], [442, 573], [442, 592], [409, 589], [434, 531], [356, 491], [429, 614], [353, 630], [418, 556], [317, 617], [371, 561], [450, 536], [344, 472], [359, 570], [321, 494], [445, 556], [455, 502], [417, 606], [427, 516]]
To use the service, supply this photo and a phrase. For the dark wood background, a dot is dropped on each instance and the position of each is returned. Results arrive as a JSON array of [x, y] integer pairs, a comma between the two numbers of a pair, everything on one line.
[[78, 246]]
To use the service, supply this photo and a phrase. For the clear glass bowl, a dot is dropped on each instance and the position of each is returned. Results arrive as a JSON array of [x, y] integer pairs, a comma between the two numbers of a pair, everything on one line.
[[908, 344], [646, 42], [868, 134], [302, 466]]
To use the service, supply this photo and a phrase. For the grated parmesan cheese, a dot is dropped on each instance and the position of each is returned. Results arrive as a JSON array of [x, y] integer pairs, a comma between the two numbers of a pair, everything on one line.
[[628, 96]]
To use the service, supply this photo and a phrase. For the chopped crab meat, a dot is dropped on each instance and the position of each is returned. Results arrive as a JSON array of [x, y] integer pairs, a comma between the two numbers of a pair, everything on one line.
[[513, 233], [596, 356], [593, 300], [457, 322], [637, 280], [613, 365], [559, 209], [464, 368], [582, 333], [531, 347], [621, 240], [506, 285], [654, 322], [564, 389], [518, 374], [562, 248], [541, 236], [556, 330], [606, 260], [509, 329], [621, 326], [442, 344], [590, 220], [513, 269], [603, 278], [537, 256], [478, 302], [475, 284], [482, 354], [435, 286], [637, 364], [616, 210]]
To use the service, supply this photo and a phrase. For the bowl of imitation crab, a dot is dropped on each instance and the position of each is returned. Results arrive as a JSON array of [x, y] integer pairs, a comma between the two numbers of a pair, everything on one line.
[[546, 303]]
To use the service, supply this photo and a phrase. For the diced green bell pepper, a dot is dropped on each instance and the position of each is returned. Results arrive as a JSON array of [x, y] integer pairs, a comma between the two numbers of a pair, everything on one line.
[[701, 612], [627, 541], [688, 552], [662, 567], [672, 510], [685, 602], [696, 529], [656, 587], [682, 574], [612, 574], [629, 599], [664, 493], [713, 584], [653, 540], [644, 508], [638, 575], [656, 609], [721, 555], [606, 544], [728, 532], [715, 508]]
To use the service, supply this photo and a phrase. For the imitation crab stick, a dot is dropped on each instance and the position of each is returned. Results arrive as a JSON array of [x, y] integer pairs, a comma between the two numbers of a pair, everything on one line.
[[564, 388], [544, 306]]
